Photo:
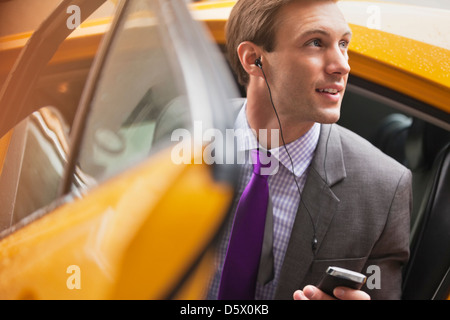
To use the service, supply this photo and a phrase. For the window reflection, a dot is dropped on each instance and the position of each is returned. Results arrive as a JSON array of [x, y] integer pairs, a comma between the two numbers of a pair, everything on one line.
[[34, 165], [140, 98]]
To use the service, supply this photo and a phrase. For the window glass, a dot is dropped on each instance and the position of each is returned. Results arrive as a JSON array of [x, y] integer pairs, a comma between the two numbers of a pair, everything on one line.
[[34, 165], [36, 153], [140, 98]]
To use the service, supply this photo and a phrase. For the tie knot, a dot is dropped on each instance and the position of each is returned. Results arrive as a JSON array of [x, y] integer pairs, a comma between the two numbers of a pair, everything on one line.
[[260, 159]]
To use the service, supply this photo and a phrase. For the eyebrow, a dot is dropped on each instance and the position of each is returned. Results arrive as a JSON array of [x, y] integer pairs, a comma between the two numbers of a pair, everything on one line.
[[321, 31]]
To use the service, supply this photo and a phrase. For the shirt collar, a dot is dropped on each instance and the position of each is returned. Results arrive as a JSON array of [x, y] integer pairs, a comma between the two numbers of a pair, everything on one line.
[[300, 150]]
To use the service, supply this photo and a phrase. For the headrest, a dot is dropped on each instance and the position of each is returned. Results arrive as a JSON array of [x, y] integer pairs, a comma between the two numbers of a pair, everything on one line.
[[423, 143]]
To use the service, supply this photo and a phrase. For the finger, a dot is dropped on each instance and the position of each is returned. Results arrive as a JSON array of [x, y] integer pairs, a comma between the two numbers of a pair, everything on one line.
[[344, 293], [299, 295], [313, 293]]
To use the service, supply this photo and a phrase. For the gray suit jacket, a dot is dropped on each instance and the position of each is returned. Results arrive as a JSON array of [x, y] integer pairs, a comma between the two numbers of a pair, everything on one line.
[[360, 200]]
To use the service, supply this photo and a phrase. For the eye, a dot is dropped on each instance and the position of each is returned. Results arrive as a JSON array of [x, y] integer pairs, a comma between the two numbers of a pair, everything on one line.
[[315, 43], [344, 44]]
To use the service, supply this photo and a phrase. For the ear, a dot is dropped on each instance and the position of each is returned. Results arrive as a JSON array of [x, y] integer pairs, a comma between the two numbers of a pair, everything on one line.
[[248, 52]]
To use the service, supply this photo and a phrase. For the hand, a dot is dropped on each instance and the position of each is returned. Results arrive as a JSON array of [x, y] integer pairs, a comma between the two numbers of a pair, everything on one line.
[[342, 293]]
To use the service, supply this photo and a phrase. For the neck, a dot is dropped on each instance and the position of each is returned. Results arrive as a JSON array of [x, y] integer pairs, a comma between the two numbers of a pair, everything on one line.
[[262, 118]]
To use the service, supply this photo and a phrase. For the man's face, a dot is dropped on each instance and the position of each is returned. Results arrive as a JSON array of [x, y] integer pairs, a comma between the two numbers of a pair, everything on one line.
[[308, 68]]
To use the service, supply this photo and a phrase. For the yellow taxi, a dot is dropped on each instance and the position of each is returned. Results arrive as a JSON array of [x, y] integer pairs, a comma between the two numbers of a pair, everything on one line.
[[95, 204], [99, 201]]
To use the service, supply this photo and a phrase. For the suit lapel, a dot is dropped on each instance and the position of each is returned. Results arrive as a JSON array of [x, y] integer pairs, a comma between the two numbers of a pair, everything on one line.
[[319, 200]]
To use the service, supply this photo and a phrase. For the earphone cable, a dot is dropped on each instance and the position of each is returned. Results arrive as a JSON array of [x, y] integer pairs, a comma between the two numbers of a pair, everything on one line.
[[314, 241]]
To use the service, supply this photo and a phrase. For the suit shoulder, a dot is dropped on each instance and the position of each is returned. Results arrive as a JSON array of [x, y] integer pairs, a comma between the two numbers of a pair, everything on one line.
[[361, 152]]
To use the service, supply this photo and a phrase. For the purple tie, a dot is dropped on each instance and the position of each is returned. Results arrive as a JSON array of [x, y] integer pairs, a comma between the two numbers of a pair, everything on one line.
[[240, 269]]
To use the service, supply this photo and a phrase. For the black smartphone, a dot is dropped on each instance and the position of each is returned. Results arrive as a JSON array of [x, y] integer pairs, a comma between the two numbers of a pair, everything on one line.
[[340, 277]]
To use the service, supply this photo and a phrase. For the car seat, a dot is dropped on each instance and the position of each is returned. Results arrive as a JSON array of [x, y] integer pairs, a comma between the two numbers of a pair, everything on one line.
[[424, 149], [426, 273]]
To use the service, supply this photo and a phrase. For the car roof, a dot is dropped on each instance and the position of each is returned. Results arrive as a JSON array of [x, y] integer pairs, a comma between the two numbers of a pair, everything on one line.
[[407, 49]]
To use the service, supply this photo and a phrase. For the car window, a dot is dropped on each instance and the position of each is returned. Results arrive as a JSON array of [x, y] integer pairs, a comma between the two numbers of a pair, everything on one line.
[[140, 98], [34, 165], [403, 128], [37, 147]]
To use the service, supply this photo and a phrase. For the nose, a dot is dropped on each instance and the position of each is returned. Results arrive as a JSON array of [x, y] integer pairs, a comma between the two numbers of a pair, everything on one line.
[[337, 61]]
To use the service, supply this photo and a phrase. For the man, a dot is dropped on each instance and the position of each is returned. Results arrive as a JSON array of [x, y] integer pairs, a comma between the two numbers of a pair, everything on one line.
[[354, 202]]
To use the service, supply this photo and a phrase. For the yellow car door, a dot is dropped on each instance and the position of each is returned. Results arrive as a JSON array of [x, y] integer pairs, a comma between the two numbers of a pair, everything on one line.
[[136, 202]]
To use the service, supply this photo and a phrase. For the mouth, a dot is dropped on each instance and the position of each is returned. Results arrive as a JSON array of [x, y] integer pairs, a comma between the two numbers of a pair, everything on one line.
[[328, 90], [331, 89], [331, 92]]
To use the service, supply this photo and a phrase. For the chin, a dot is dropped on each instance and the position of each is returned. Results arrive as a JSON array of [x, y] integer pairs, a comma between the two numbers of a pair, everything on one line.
[[329, 117]]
